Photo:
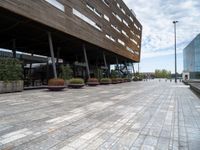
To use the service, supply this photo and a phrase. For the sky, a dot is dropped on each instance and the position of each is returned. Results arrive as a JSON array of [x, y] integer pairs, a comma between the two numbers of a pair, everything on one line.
[[156, 17]]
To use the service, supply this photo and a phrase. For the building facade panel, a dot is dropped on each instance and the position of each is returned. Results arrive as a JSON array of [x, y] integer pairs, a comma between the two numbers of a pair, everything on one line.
[[191, 58], [105, 23]]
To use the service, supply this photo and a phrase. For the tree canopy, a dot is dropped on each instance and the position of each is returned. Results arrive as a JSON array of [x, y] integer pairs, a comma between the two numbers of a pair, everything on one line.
[[162, 73]]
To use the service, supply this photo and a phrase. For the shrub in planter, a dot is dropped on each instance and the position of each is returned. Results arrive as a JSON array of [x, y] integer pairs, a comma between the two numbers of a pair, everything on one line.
[[120, 80], [114, 80], [93, 82], [138, 77], [66, 73], [117, 80], [10, 75], [114, 74], [98, 73], [105, 81], [127, 80], [56, 84], [76, 83]]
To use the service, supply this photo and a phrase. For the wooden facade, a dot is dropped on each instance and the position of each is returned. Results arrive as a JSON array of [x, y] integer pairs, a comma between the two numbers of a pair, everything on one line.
[[108, 24]]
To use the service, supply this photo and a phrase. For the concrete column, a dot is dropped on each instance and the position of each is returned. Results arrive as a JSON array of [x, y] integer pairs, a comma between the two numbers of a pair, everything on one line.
[[14, 48], [126, 67], [105, 63], [58, 55], [30, 67], [52, 54], [47, 71], [86, 60], [117, 65], [133, 68]]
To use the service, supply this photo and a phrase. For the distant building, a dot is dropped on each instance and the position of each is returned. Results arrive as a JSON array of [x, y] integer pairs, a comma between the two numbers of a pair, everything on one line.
[[191, 59]]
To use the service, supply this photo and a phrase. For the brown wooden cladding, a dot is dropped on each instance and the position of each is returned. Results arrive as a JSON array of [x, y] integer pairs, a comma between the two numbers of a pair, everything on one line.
[[45, 13]]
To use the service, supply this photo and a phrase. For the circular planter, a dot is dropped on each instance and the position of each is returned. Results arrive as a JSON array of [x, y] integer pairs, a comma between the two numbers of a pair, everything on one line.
[[115, 81], [105, 81], [76, 86], [56, 84], [92, 83], [127, 80], [55, 88]]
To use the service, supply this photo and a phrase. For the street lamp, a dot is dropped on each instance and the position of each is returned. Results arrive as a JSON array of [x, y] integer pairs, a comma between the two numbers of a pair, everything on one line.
[[174, 22]]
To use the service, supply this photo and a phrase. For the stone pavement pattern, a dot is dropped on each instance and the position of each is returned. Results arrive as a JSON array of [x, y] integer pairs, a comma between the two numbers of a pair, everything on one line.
[[137, 115]]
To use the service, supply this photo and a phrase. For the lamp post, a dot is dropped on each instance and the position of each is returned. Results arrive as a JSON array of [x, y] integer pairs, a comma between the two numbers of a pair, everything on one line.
[[174, 22]]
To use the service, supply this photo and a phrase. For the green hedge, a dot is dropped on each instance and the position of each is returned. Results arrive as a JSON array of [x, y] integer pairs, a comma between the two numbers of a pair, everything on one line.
[[105, 81], [10, 69], [76, 81]]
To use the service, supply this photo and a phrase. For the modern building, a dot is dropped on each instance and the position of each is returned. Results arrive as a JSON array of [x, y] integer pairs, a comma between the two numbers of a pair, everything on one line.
[[83, 33], [191, 59]]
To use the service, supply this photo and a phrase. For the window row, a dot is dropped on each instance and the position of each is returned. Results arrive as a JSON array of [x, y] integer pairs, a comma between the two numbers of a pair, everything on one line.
[[61, 7], [98, 27], [122, 43], [134, 34], [56, 4], [124, 33], [118, 5], [124, 21], [106, 2], [95, 11], [129, 16], [86, 19], [89, 6]]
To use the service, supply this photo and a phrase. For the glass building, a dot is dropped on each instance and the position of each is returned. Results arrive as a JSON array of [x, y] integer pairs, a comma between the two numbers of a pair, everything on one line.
[[191, 58]]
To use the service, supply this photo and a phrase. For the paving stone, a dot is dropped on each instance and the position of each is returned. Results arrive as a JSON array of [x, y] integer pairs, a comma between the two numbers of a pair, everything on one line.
[[136, 115]]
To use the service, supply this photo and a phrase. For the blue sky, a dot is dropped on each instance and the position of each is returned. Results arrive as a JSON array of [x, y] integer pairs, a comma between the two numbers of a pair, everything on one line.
[[156, 16]]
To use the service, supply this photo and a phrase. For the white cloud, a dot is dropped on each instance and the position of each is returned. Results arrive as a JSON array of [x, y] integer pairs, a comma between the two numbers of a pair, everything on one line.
[[149, 54], [156, 16]]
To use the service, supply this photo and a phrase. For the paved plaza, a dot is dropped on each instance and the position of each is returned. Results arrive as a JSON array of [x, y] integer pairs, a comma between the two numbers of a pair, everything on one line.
[[137, 115]]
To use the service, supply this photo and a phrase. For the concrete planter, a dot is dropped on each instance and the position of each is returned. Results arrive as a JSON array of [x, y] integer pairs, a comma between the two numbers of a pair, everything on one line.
[[66, 83], [115, 81], [76, 86], [105, 81], [1, 87], [11, 86], [92, 83], [56, 88], [19, 86]]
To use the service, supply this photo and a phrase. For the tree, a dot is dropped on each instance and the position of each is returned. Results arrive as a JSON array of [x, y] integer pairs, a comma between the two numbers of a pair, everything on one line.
[[66, 72], [162, 73]]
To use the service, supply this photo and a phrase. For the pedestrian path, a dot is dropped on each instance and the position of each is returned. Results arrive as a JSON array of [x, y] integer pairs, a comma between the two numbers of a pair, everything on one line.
[[137, 115]]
